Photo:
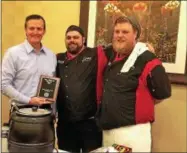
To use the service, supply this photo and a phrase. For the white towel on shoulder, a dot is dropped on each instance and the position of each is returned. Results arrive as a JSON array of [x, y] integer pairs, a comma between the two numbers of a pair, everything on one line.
[[138, 50]]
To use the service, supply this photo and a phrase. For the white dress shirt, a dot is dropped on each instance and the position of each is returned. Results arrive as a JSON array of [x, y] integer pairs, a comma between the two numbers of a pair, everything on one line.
[[22, 68]]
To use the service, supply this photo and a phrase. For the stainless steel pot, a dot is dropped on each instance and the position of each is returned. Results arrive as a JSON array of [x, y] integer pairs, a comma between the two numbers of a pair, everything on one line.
[[31, 130]]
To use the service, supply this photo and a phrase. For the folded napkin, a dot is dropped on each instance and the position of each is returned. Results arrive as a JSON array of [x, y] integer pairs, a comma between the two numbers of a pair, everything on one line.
[[138, 50]]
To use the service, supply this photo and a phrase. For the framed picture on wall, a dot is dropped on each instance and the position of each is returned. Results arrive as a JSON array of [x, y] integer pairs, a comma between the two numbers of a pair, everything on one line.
[[163, 25]]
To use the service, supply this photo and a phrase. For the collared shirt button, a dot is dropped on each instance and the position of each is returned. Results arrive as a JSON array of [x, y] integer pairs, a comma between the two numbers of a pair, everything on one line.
[[66, 66], [66, 76], [66, 96], [66, 86]]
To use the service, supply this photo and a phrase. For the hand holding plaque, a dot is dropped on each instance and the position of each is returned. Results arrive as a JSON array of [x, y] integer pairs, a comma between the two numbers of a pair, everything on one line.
[[48, 88]]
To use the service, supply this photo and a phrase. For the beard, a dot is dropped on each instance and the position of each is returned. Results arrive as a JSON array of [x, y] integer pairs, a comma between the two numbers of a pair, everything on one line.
[[119, 46], [73, 48], [122, 47]]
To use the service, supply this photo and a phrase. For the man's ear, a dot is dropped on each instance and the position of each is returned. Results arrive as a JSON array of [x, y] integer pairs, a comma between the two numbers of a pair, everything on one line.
[[135, 32], [83, 40], [44, 31]]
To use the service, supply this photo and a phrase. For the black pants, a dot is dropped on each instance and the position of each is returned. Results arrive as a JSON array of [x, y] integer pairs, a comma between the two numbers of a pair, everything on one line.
[[83, 135]]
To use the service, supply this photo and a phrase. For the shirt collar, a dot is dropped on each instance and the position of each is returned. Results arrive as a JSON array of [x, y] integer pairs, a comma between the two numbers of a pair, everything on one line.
[[29, 48]]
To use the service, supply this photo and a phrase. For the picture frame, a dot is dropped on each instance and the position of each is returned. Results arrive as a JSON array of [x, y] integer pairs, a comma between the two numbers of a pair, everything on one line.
[[48, 87], [177, 71]]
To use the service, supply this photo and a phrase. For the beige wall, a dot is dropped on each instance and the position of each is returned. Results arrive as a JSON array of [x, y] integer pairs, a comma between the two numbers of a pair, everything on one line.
[[58, 15], [169, 129]]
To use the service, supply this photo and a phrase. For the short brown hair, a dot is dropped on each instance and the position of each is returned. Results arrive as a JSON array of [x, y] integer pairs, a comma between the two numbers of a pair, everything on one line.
[[34, 16]]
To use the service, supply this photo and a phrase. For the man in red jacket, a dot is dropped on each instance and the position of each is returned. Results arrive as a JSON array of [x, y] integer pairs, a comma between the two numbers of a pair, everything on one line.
[[134, 80]]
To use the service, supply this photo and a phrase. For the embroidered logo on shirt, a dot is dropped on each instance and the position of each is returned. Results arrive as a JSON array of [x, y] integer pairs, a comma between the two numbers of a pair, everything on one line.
[[132, 68], [86, 59], [60, 62], [109, 63]]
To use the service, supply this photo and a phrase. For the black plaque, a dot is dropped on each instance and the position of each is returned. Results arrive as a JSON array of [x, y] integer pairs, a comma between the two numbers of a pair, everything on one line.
[[48, 87]]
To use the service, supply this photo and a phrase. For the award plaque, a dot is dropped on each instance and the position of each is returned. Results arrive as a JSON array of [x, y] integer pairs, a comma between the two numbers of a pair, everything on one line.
[[48, 87]]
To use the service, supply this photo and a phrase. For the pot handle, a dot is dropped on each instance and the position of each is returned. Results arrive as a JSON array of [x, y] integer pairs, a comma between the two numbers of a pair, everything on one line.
[[12, 106]]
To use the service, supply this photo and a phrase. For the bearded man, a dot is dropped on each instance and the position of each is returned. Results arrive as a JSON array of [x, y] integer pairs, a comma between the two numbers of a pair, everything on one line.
[[77, 99], [134, 80]]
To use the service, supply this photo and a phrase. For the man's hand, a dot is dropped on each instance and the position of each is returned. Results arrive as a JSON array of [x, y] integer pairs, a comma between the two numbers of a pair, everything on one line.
[[150, 47], [39, 101]]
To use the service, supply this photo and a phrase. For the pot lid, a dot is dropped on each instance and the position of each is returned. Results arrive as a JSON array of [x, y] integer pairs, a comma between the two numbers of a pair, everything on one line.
[[34, 112]]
